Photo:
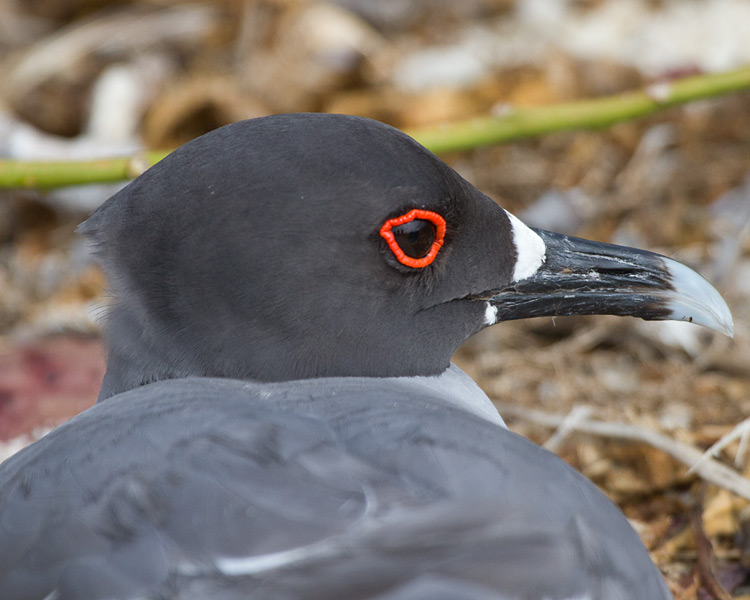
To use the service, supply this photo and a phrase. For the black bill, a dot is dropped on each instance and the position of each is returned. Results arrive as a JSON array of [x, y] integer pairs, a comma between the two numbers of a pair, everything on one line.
[[581, 277]]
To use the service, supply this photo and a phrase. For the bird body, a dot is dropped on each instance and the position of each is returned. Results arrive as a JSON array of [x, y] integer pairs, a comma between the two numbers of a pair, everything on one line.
[[220, 488], [279, 418]]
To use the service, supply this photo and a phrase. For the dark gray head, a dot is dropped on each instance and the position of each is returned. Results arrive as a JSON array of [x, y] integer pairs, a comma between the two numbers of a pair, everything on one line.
[[259, 251]]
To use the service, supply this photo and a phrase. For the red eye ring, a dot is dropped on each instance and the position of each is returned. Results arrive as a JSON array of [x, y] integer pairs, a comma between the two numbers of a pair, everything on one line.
[[426, 215]]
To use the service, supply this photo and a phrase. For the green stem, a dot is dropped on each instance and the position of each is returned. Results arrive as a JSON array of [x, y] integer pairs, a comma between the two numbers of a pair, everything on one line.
[[52, 174], [513, 124], [597, 113]]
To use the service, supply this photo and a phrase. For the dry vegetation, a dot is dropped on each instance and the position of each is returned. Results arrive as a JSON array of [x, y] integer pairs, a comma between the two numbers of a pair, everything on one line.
[[109, 76]]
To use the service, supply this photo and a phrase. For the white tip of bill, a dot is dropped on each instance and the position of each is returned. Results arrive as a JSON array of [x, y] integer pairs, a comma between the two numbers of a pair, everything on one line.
[[696, 301]]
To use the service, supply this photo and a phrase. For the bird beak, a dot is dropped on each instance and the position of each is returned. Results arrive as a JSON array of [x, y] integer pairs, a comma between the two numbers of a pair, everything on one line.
[[581, 277]]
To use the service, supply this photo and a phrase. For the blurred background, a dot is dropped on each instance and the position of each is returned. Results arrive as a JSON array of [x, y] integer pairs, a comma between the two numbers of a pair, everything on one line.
[[95, 78]]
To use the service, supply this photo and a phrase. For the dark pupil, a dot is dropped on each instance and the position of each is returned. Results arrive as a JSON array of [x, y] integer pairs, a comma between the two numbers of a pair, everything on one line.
[[415, 238]]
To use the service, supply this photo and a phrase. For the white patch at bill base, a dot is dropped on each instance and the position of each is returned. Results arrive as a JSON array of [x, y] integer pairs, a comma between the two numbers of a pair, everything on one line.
[[490, 314], [530, 249]]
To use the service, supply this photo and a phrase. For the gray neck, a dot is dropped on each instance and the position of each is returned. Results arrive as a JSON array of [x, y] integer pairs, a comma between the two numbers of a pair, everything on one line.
[[457, 388]]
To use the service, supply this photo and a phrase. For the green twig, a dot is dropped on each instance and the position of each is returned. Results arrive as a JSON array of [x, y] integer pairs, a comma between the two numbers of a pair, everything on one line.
[[51, 174], [514, 123], [517, 123]]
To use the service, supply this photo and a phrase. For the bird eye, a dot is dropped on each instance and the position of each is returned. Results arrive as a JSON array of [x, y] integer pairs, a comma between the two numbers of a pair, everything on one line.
[[415, 238]]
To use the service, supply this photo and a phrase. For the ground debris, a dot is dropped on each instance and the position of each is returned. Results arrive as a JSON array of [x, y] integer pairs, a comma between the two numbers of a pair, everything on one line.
[[676, 183]]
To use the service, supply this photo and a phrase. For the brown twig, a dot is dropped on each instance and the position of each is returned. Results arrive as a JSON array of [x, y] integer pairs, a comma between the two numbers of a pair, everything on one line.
[[708, 469], [704, 565]]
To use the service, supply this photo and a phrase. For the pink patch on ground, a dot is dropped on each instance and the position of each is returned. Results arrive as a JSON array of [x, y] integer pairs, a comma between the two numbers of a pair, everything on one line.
[[47, 382]]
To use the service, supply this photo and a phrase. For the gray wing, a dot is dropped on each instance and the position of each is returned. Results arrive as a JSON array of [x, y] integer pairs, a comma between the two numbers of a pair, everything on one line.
[[222, 489]]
